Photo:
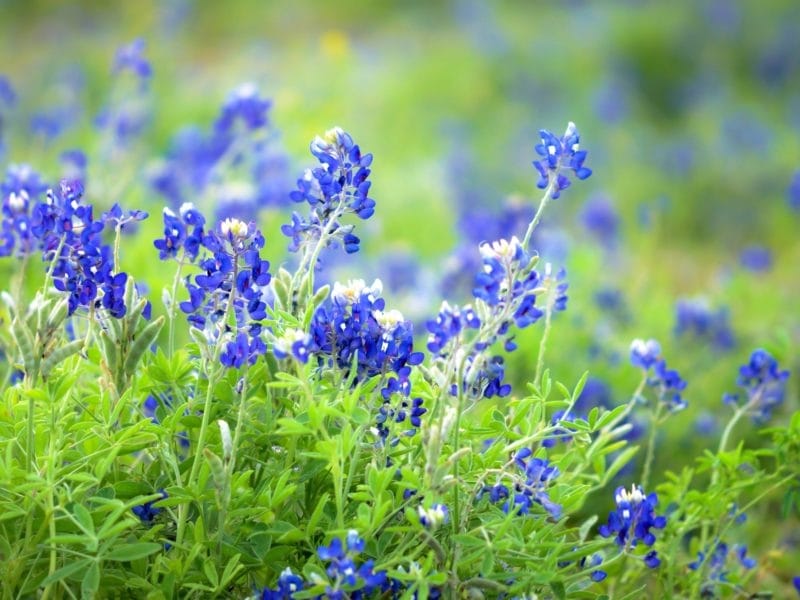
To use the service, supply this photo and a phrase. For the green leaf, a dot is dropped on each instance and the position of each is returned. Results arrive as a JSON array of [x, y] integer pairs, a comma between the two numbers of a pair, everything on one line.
[[128, 552], [66, 571], [91, 581], [142, 343], [558, 589]]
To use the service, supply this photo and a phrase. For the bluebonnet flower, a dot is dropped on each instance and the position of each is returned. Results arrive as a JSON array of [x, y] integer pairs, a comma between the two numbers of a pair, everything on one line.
[[294, 343], [68, 235], [74, 164], [7, 94], [501, 261], [147, 512], [352, 324], [119, 219], [150, 408], [594, 561], [529, 487], [601, 220], [243, 105], [433, 517], [763, 383], [706, 424], [449, 324], [393, 415], [233, 284], [131, 58], [793, 192], [632, 521], [757, 259], [562, 434], [696, 318], [645, 354], [668, 382], [184, 230], [559, 155], [717, 561], [358, 580], [595, 392], [337, 187], [288, 584]]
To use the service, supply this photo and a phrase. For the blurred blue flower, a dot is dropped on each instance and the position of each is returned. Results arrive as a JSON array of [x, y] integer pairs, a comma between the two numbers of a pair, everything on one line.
[[793, 192], [756, 258], [695, 318], [764, 384], [601, 220], [131, 58]]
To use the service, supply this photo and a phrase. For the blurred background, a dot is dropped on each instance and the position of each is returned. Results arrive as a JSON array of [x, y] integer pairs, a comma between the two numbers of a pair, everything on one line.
[[690, 111]]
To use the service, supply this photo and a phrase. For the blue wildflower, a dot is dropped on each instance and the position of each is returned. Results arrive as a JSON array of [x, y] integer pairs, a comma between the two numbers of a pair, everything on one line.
[[243, 105], [7, 94], [147, 512], [294, 343], [433, 517], [717, 562], [131, 58], [668, 382], [529, 487], [757, 259], [763, 383], [633, 520], [339, 186], [645, 354], [696, 318], [288, 584], [182, 231], [601, 220], [558, 155], [793, 192], [343, 571], [352, 324], [233, 283]]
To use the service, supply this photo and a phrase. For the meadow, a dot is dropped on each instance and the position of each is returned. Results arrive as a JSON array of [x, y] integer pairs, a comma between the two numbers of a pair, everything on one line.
[[437, 300]]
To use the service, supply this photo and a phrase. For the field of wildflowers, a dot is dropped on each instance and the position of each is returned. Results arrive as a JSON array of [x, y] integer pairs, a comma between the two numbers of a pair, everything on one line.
[[448, 300]]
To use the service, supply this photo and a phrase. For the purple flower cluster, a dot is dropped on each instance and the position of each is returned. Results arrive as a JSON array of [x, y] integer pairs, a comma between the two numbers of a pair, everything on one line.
[[717, 561], [601, 220], [793, 192], [696, 318], [131, 58], [646, 355], [234, 281], [557, 155], [346, 579], [235, 164], [68, 235], [633, 520], [147, 512], [764, 384], [529, 487], [352, 328], [244, 106], [184, 230], [338, 186]]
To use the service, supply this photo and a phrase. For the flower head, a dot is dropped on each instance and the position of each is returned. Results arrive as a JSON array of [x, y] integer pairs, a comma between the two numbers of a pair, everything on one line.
[[557, 155], [633, 520]]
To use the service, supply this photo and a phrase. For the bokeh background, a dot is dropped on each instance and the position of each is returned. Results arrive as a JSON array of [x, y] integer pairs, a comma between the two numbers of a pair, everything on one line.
[[690, 111]]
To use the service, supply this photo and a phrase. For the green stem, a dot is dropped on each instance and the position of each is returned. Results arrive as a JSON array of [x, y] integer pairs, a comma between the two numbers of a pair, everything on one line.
[[651, 444], [172, 304], [212, 372], [543, 344]]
